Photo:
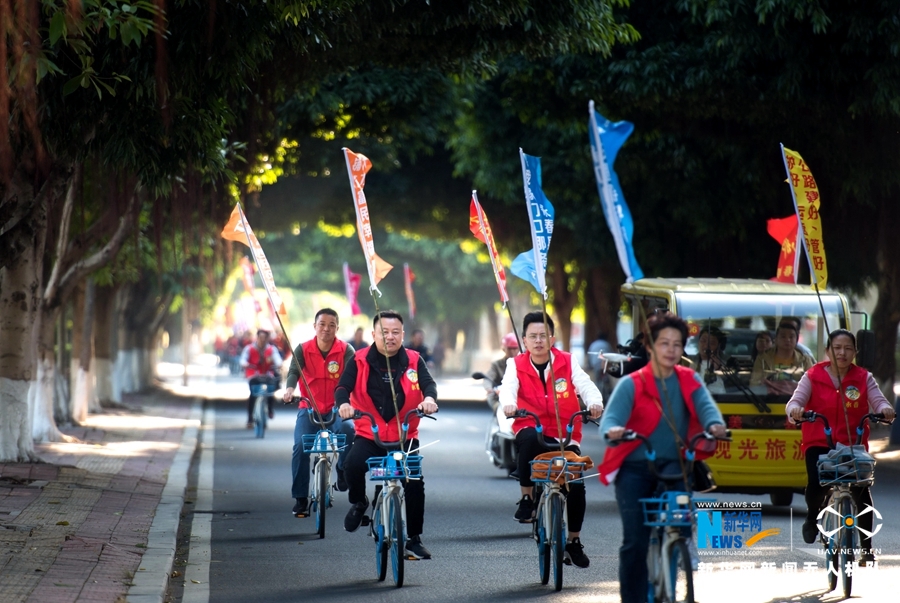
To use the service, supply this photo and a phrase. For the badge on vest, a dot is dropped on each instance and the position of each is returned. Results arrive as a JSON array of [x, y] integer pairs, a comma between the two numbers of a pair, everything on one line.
[[333, 367], [560, 385], [412, 375], [852, 392]]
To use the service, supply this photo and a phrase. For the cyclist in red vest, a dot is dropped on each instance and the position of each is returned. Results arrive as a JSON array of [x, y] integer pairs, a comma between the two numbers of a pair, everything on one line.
[[527, 385], [844, 393], [322, 360], [260, 361], [366, 386], [669, 404]]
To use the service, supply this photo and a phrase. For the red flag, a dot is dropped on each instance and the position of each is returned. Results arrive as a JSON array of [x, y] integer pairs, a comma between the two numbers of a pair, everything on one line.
[[351, 285], [784, 230], [358, 166], [408, 278], [481, 228]]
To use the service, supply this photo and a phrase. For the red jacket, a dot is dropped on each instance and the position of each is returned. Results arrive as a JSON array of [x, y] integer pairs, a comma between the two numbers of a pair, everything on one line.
[[259, 364], [360, 400], [537, 397], [646, 414], [824, 399], [322, 374]]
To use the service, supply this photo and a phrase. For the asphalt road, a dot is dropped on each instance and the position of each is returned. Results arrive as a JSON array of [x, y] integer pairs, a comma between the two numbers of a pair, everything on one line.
[[260, 552]]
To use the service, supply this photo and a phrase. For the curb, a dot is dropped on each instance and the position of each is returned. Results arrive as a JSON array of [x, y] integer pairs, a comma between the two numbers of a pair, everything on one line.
[[152, 578]]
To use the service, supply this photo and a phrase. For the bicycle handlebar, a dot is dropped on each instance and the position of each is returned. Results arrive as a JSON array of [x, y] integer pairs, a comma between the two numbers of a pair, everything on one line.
[[521, 413], [631, 435], [811, 416], [359, 414]]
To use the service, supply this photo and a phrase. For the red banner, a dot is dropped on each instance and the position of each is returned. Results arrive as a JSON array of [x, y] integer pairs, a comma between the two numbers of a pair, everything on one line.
[[481, 228], [357, 167], [784, 230], [351, 286], [408, 278]]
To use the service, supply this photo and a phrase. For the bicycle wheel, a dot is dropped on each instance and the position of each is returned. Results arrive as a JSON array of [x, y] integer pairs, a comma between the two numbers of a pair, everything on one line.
[[847, 544], [654, 579], [557, 538], [398, 537], [321, 477], [680, 578], [259, 416], [831, 524], [543, 544], [381, 544]]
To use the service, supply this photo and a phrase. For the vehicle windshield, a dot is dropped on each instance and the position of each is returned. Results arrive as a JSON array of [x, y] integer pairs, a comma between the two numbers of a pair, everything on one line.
[[735, 341]]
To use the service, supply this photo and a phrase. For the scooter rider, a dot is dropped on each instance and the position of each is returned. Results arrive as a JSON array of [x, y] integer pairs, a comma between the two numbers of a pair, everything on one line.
[[498, 367]]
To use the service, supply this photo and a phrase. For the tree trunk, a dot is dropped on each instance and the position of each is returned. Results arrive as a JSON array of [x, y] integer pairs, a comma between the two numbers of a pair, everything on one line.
[[104, 312], [601, 301], [565, 289], [886, 315], [82, 349], [44, 427]]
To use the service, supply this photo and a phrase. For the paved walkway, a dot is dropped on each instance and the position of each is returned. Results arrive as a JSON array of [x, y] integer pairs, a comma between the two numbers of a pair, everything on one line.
[[96, 521]]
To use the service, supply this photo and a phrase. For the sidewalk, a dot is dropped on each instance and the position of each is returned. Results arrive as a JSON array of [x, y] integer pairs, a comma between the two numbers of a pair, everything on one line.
[[96, 521]]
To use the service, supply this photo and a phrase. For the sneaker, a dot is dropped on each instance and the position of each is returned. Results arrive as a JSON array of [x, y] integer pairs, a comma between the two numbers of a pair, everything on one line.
[[415, 549], [342, 485], [301, 509], [867, 558], [575, 554], [250, 424], [271, 414], [810, 530], [355, 515], [525, 512]]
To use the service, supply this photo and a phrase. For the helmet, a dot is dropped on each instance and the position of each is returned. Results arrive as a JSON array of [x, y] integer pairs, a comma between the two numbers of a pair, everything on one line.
[[509, 341]]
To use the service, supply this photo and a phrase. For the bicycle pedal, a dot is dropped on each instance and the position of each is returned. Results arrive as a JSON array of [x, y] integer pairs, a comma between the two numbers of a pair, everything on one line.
[[365, 520]]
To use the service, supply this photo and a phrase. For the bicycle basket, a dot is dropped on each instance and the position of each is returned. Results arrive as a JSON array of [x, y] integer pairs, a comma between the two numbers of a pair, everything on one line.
[[672, 508], [846, 465], [559, 467], [262, 389], [387, 467], [324, 441]]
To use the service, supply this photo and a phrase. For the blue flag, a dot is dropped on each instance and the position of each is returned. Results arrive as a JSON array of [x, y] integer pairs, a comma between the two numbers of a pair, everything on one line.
[[531, 265], [606, 140]]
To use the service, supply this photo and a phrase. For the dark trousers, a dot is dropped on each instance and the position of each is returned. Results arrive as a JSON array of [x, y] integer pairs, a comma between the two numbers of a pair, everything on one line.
[[252, 399], [355, 469], [527, 447], [816, 495]]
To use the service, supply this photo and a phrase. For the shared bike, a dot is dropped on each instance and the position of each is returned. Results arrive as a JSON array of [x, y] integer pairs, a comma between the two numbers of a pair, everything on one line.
[[849, 467], [670, 516], [550, 473], [324, 445], [387, 526], [262, 389]]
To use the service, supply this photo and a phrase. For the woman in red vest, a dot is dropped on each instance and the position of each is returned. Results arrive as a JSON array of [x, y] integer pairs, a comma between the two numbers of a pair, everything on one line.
[[669, 404], [844, 393]]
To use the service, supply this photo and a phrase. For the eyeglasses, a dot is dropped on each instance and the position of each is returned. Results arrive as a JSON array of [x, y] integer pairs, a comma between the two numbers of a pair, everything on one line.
[[536, 337]]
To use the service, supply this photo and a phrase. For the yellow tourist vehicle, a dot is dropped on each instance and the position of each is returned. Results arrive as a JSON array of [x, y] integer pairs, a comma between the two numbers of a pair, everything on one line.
[[764, 455]]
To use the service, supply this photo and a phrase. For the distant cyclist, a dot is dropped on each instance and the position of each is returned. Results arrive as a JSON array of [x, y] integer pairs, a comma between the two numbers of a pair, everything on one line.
[[260, 361]]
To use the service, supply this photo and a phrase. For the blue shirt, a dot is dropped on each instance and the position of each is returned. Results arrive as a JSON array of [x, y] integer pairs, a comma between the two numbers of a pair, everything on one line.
[[621, 405]]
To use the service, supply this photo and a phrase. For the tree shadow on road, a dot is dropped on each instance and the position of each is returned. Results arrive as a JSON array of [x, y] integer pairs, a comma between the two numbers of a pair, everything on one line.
[[816, 596]]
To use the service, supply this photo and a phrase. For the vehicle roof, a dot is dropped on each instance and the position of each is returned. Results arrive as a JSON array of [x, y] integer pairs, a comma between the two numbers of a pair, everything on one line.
[[718, 285]]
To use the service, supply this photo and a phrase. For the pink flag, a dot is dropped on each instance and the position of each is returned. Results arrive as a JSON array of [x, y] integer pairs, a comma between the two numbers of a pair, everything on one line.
[[408, 278], [351, 285]]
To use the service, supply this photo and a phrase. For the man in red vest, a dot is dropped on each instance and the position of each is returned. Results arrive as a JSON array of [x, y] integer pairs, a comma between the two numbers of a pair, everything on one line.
[[260, 361], [366, 386], [527, 384], [322, 360]]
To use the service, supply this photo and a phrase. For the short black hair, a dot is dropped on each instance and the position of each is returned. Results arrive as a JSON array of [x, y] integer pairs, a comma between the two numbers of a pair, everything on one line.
[[839, 333], [537, 317], [387, 314], [660, 320], [787, 325], [327, 311], [720, 336], [793, 320]]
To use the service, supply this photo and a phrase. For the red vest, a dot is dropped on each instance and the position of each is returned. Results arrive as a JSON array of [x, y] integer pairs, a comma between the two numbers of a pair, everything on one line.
[[824, 400], [259, 364], [360, 400], [537, 397], [322, 374], [645, 416]]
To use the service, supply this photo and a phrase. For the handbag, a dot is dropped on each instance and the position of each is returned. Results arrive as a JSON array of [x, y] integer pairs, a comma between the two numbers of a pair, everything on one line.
[[702, 478]]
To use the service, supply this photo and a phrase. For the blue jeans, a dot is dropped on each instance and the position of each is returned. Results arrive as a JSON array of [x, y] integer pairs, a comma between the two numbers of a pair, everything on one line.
[[300, 460], [633, 482]]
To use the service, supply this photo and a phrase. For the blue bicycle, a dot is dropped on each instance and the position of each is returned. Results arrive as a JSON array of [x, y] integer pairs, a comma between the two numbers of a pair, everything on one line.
[[325, 445], [263, 389]]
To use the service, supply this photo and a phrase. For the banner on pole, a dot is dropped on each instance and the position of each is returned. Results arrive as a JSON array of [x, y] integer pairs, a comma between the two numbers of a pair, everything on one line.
[[531, 265], [351, 286], [606, 140], [247, 273], [807, 204], [481, 228], [408, 278], [784, 230], [238, 229], [357, 167]]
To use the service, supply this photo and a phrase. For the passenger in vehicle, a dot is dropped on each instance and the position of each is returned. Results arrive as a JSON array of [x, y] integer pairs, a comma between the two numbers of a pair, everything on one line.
[[710, 344], [763, 342], [797, 323], [781, 367]]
